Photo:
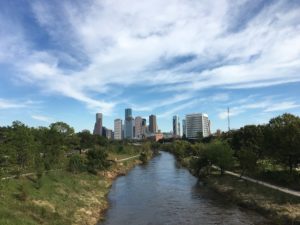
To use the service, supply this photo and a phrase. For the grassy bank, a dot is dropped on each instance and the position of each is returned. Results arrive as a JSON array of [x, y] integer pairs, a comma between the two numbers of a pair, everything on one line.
[[281, 208], [59, 197]]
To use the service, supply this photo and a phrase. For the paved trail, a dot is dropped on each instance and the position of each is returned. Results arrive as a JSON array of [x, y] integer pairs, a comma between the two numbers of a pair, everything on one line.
[[282, 189]]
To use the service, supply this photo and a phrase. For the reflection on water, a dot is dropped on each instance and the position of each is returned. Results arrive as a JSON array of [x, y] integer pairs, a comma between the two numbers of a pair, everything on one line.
[[163, 193]]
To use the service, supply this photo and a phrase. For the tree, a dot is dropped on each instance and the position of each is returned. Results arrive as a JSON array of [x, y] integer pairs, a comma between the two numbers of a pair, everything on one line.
[[86, 139], [22, 141], [283, 140], [248, 161], [220, 154]]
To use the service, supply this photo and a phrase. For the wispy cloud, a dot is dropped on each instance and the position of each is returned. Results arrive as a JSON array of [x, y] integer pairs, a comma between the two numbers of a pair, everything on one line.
[[266, 105], [282, 106], [174, 47], [14, 104], [42, 118]]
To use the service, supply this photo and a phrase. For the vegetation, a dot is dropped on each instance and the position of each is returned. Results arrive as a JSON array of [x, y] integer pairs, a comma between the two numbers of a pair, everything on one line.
[[270, 152], [60, 186]]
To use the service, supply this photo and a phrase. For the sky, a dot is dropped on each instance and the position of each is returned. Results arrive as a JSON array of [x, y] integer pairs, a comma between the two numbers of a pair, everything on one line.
[[65, 60]]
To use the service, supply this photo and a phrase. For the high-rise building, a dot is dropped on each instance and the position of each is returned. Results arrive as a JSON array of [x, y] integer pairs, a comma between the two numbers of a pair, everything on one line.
[[129, 123], [144, 128], [152, 124], [176, 126], [197, 125], [98, 124], [184, 127], [138, 127], [128, 113], [118, 129]]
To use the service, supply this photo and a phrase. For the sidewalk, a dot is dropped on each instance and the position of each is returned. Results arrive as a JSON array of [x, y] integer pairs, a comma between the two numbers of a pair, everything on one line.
[[282, 189]]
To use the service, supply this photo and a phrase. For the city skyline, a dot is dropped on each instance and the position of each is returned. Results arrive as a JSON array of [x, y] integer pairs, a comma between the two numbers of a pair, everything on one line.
[[67, 60]]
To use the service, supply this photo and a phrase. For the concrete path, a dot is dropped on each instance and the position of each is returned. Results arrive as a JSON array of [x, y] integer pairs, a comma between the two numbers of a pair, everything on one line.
[[282, 189], [25, 175], [132, 157]]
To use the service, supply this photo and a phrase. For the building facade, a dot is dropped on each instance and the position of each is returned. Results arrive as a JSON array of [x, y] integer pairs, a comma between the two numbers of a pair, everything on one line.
[[129, 123], [138, 122], [118, 129], [197, 125], [184, 128], [176, 126], [152, 124], [98, 124]]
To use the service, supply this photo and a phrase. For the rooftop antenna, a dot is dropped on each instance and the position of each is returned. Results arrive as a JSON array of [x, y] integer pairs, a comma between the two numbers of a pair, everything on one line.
[[228, 118]]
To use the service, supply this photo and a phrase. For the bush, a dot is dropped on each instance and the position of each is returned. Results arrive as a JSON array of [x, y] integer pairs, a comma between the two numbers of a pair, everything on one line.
[[96, 160], [143, 157], [23, 194], [76, 164]]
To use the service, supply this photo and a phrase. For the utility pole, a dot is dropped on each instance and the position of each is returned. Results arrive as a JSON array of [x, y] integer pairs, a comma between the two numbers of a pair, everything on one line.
[[228, 118]]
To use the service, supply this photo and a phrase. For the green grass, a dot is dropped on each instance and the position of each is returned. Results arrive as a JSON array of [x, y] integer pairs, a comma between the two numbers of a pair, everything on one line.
[[281, 207], [60, 197], [57, 201]]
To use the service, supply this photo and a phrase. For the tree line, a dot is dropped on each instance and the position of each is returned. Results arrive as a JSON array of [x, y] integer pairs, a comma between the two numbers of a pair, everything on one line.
[[270, 151], [27, 149]]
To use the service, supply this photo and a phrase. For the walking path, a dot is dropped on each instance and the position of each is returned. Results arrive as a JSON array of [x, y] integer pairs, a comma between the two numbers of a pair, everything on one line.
[[25, 175], [132, 157], [30, 174], [282, 189]]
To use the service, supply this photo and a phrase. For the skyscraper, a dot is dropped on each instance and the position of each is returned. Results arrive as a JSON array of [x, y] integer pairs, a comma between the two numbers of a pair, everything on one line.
[[118, 129], [98, 124], [176, 126], [138, 127], [197, 124], [184, 127], [129, 122], [128, 113], [152, 124]]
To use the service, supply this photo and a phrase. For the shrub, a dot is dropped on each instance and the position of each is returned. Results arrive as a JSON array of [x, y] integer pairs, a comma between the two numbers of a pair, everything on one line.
[[96, 160], [76, 164]]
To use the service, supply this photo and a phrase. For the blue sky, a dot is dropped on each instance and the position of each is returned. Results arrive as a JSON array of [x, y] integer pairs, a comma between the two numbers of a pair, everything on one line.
[[66, 60]]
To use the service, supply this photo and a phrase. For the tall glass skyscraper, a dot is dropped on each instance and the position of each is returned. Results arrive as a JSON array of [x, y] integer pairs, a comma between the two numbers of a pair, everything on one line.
[[129, 122], [176, 126]]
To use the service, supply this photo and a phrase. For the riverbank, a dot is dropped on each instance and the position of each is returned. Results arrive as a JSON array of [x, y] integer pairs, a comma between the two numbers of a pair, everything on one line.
[[279, 207], [59, 197]]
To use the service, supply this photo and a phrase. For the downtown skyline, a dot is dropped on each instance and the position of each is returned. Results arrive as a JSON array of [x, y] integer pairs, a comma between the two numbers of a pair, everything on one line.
[[67, 60]]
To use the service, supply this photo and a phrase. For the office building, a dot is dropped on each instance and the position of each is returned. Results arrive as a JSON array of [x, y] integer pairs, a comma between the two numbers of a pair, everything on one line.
[[98, 124], [176, 126], [129, 123], [184, 128], [138, 127], [197, 125], [107, 133], [152, 124], [118, 129]]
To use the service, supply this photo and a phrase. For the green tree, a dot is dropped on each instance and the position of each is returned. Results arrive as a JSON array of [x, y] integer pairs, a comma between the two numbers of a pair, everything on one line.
[[283, 140], [22, 142], [220, 154]]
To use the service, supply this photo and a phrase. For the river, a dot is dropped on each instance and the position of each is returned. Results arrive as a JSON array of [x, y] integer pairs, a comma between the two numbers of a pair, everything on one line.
[[163, 193]]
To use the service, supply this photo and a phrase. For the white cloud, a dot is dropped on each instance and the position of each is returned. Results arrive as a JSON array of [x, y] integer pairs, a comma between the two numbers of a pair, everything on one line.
[[42, 118], [268, 104], [13, 104], [119, 43], [282, 106]]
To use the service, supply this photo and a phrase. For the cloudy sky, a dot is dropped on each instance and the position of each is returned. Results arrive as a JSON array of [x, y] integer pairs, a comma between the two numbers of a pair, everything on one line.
[[64, 60]]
